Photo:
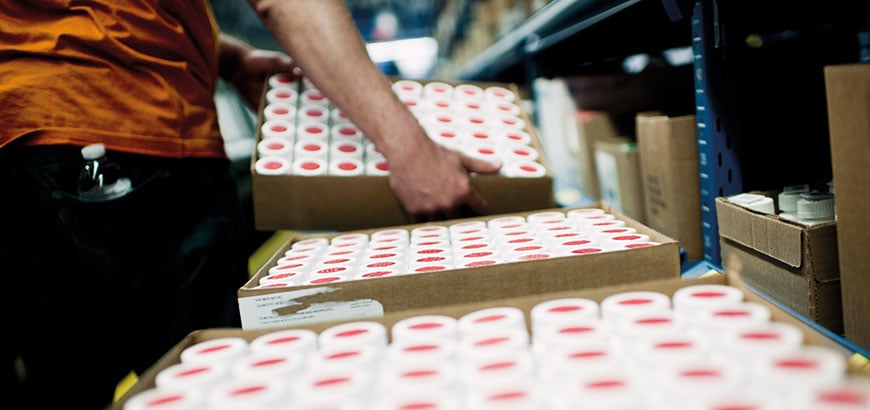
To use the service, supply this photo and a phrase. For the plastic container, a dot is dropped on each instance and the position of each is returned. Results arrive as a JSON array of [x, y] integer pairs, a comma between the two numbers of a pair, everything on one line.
[[689, 301], [313, 113], [329, 386], [269, 365], [523, 169], [224, 350], [627, 305], [275, 146], [286, 95], [497, 369], [437, 89], [345, 167], [562, 310], [346, 149], [273, 165], [408, 87], [377, 167], [346, 132], [280, 111], [466, 92], [492, 318], [309, 166], [368, 333], [278, 128], [499, 94], [353, 356], [377, 273], [815, 207], [283, 80], [755, 202], [249, 394], [188, 376], [418, 376], [576, 332], [426, 327], [301, 341], [787, 200], [166, 399], [313, 96], [101, 179], [311, 148], [513, 136], [312, 130]]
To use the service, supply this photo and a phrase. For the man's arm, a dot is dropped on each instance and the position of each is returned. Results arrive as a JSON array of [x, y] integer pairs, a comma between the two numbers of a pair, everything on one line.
[[431, 181], [246, 67]]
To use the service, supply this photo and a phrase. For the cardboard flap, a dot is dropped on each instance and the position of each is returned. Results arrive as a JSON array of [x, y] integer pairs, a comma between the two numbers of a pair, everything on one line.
[[777, 239]]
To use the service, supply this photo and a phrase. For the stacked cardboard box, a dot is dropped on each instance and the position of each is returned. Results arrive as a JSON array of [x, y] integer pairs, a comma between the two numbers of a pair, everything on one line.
[[848, 97], [284, 306], [837, 362], [793, 263], [671, 182], [294, 200]]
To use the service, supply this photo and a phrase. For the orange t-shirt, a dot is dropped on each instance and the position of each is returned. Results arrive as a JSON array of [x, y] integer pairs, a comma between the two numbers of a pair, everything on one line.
[[136, 75]]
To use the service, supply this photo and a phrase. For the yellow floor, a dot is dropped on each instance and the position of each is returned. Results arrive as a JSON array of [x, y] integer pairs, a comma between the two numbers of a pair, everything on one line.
[[267, 249]]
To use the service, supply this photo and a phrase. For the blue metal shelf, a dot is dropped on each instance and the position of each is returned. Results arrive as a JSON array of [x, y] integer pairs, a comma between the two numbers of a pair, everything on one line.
[[718, 163]]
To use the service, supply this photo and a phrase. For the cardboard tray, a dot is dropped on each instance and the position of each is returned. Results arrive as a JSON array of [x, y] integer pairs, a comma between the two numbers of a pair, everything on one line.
[[375, 297], [793, 263], [326, 202], [668, 286]]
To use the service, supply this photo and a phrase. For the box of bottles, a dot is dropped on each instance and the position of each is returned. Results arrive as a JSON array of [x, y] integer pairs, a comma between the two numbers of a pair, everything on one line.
[[793, 259], [313, 169], [368, 273], [707, 343]]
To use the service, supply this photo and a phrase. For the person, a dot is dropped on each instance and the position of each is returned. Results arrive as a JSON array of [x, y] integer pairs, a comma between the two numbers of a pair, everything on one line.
[[95, 290]]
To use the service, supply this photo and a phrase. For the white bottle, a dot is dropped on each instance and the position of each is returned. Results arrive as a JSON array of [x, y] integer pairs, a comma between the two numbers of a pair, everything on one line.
[[815, 207], [100, 179], [787, 200]]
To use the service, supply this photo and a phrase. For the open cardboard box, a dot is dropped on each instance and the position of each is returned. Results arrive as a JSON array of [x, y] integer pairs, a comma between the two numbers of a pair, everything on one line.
[[276, 307], [793, 263], [326, 203], [812, 336]]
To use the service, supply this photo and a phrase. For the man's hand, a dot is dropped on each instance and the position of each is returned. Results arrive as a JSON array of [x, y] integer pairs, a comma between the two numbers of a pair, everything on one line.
[[246, 68], [434, 183]]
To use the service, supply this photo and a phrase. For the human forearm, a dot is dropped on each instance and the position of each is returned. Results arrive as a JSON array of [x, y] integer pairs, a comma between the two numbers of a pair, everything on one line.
[[324, 41], [246, 67]]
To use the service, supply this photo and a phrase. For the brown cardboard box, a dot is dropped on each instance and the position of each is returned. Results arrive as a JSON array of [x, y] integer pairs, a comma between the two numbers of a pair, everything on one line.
[[590, 127], [262, 308], [667, 286], [622, 95], [617, 163], [671, 182], [322, 203], [792, 263], [848, 97]]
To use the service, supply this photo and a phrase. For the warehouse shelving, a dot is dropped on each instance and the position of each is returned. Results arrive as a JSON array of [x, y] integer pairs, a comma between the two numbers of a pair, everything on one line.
[[759, 97], [757, 71]]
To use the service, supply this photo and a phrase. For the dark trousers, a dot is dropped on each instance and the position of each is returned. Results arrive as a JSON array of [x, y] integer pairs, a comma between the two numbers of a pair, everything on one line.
[[96, 290]]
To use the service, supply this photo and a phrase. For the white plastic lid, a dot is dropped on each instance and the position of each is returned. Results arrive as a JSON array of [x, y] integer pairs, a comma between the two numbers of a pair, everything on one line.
[[302, 341], [166, 399], [359, 332], [93, 151], [755, 202], [815, 205], [788, 197], [187, 376], [244, 393], [224, 349]]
